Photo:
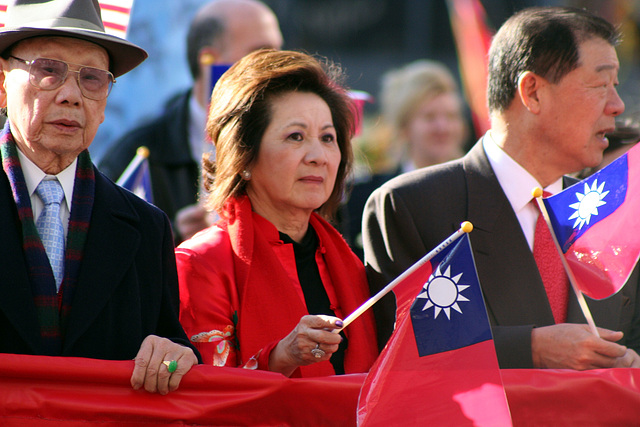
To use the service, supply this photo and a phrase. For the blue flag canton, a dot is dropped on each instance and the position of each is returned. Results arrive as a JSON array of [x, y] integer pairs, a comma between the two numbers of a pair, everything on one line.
[[216, 71], [449, 312], [577, 208]]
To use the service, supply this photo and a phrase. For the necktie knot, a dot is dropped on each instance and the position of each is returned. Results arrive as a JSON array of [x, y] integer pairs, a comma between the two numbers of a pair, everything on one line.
[[50, 191]]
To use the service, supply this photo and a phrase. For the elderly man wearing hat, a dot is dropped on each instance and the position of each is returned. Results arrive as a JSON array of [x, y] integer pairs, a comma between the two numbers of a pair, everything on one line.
[[86, 268]]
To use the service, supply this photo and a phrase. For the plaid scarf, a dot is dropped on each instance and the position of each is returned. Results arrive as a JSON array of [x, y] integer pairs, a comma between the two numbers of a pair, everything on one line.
[[53, 308]]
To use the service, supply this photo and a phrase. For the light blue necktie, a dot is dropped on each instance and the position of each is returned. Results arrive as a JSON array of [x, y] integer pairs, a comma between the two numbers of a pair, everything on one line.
[[49, 226]]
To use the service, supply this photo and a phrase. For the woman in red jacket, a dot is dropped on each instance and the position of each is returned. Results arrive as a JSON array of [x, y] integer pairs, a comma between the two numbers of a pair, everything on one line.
[[267, 285]]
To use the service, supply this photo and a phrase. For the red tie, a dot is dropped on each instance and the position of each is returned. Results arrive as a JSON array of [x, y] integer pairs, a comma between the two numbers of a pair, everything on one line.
[[551, 270]]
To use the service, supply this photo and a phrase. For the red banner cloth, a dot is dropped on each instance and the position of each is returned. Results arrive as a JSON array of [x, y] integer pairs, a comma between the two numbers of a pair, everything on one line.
[[49, 391], [559, 397]]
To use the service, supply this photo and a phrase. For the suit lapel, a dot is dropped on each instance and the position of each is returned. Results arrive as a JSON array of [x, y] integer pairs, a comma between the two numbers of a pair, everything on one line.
[[506, 268], [112, 242], [16, 302]]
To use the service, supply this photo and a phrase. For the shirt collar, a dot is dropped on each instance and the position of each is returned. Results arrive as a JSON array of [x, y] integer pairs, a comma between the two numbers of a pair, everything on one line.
[[33, 175], [516, 182]]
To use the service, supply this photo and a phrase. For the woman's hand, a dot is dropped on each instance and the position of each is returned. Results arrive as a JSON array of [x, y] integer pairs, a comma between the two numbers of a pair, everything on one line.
[[296, 348]]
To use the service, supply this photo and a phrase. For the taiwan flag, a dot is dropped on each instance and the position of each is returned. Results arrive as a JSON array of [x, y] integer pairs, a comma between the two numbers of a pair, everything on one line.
[[439, 366], [472, 35], [596, 222], [213, 74], [137, 177]]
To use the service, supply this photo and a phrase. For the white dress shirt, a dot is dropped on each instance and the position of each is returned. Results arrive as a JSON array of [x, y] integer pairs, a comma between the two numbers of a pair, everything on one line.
[[198, 141], [517, 184], [33, 175]]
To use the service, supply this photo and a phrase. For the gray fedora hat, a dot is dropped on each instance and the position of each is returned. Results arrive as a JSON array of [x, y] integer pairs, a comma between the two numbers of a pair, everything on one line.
[[71, 18]]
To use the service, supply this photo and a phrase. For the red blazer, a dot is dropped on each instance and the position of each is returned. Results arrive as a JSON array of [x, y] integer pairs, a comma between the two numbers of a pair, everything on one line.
[[240, 293]]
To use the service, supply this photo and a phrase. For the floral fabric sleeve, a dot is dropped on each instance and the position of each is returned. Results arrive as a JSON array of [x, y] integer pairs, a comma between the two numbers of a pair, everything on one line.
[[207, 307], [219, 344]]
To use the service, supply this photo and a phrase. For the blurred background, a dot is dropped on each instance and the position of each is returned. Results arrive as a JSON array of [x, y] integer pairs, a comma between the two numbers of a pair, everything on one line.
[[367, 37]]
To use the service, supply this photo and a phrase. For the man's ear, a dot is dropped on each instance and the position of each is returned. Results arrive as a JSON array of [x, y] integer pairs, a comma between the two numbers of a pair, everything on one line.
[[529, 86]]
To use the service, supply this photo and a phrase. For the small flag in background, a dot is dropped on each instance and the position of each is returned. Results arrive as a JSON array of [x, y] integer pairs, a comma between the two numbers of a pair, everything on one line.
[[359, 98], [473, 38], [439, 366], [136, 177], [596, 221], [215, 72], [115, 15], [212, 73]]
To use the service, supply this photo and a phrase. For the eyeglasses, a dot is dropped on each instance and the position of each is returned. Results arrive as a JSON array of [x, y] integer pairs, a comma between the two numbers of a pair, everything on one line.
[[50, 74]]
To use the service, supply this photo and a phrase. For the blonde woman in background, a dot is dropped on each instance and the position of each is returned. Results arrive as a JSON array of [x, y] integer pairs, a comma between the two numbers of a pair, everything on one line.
[[422, 105], [423, 110]]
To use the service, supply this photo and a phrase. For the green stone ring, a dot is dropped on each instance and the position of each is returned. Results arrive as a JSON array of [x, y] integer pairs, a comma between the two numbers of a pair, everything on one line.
[[171, 365]]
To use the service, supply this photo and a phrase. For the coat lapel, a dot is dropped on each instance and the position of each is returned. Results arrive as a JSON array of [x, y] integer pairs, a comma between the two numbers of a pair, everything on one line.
[[506, 268], [16, 302], [112, 242]]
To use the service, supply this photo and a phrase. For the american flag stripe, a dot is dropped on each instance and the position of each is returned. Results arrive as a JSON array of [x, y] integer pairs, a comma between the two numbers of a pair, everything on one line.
[[115, 15], [3, 10], [116, 6]]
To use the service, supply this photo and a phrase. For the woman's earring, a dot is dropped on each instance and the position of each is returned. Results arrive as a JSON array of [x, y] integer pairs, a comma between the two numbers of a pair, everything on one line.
[[246, 175]]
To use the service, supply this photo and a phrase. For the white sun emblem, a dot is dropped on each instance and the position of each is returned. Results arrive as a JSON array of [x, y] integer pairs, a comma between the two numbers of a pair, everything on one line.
[[443, 292], [588, 204]]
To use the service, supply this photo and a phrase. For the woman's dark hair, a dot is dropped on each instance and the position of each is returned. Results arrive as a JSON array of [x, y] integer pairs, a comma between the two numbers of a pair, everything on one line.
[[241, 111]]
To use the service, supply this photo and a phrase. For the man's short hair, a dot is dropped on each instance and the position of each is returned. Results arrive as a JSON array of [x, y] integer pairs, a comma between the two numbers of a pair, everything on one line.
[[543, 40], [206, 29]]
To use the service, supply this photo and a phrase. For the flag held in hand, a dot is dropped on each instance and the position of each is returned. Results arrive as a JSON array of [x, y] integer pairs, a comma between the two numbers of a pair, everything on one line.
[[595, 222], [439, 366]]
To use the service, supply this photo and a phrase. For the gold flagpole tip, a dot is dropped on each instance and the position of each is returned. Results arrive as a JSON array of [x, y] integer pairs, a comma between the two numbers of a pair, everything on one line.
[[466, 227], [537, 192], [207, 59], [143, 152]]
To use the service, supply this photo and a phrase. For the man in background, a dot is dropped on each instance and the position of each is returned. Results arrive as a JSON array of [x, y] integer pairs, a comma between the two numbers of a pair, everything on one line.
[[222, 32]]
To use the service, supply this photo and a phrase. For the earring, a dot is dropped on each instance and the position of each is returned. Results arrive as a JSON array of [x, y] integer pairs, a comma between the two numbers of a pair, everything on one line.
[[246, 175]]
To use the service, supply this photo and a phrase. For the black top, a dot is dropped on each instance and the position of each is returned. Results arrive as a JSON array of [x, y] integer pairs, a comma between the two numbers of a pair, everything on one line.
[[315, 295]]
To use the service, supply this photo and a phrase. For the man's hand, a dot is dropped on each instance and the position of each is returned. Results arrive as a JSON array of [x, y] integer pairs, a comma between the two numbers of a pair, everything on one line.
[[629, 360], [150, 372], [573, 346]]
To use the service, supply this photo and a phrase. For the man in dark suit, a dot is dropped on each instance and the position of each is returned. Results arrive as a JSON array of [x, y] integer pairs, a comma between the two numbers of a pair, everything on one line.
[[86, 268], [552, 95], [221, 33]]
